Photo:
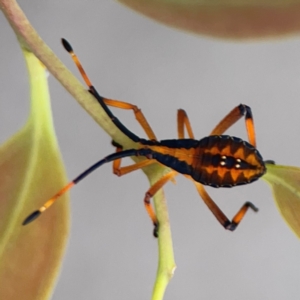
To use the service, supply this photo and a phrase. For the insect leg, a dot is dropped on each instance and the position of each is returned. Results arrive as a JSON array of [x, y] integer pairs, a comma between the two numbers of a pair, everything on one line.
[[117, 169], [183, 121], [138, 115], [150, 193], [220, 216], [120, 171], [232, 117]]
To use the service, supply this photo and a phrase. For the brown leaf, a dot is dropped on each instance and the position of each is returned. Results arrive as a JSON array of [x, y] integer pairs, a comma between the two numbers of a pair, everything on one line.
[[226, 19]]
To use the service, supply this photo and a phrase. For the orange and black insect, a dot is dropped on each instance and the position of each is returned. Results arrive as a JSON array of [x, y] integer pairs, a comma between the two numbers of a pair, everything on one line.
[[216, 160]]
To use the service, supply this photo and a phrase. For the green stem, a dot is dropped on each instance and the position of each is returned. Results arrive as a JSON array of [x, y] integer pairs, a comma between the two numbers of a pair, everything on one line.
[[32, 42]]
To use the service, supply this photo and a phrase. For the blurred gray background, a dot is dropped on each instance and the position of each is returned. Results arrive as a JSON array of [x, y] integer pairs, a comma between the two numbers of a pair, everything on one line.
[[111, 252]]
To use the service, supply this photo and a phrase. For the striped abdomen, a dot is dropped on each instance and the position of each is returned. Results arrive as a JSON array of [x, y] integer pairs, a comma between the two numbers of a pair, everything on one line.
[[218, 161]]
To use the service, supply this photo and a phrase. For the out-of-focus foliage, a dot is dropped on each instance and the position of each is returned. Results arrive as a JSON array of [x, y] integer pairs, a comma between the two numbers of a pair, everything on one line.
[[225, 18], [285, 185], [31, 171]]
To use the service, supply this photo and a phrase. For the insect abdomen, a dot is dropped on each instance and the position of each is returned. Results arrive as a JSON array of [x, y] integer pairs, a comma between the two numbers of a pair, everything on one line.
[[227, 161]]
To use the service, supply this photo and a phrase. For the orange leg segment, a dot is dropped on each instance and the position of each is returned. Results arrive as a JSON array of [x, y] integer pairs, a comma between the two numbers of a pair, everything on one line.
[[137, 112], [120, 171], [217, 212], [117, 169], [183, 121], [151, 192], [232, 117]]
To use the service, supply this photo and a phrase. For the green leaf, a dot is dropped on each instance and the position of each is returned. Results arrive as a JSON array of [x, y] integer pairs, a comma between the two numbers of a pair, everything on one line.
[[285, 185], [224, 18], [31, 171]]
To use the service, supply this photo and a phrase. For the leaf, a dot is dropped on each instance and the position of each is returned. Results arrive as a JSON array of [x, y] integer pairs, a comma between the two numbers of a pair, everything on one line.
[[31, 171], [285, 185], [224, 18]]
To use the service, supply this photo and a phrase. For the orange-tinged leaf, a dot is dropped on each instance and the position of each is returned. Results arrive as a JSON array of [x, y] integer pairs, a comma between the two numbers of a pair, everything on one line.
[[31, 171], [285, 185], [224, 18]]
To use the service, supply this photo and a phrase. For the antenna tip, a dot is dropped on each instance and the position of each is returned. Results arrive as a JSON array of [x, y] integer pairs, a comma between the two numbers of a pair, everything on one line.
[[67, 45], [31, 217]]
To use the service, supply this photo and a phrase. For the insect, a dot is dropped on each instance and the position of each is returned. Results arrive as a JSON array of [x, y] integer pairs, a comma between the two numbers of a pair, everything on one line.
[[216, 160]]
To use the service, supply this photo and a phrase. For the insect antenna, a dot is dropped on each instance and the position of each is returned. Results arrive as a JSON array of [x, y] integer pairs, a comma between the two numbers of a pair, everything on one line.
[[95, 93], [109, 158]]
